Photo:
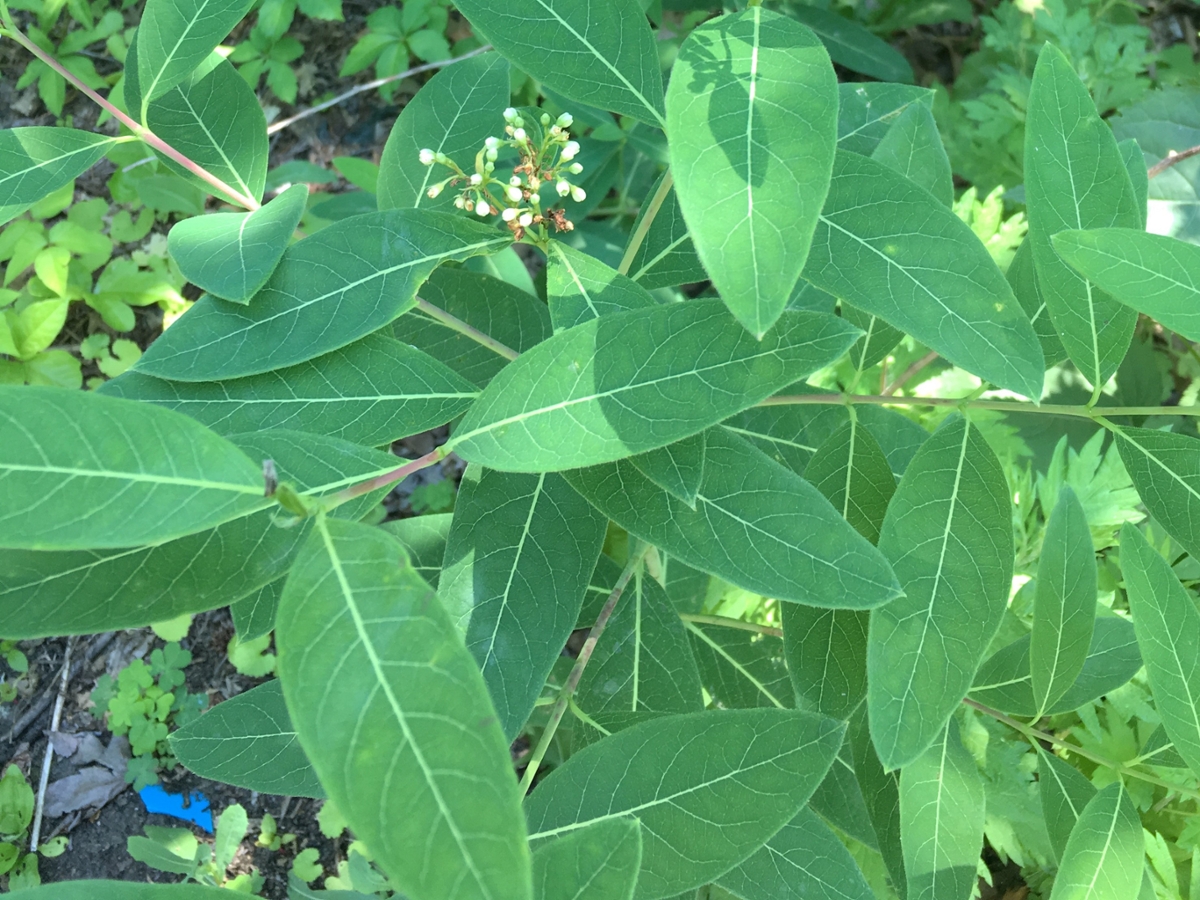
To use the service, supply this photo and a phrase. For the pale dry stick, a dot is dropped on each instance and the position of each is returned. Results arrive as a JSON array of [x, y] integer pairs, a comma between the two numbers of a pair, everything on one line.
[[141, 132], [48, 758], [581, 661], [456, 324], [643, 228], [371, 85], [99, 645]]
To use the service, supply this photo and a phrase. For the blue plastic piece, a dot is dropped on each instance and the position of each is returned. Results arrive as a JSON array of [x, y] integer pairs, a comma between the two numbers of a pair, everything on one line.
[[195, 811]]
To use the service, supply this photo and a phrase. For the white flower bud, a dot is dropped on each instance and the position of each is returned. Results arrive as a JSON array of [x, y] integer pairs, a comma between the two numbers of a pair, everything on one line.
[[476, 179], [519, 134], [510, 114], [565, 120], [482, 208], [509, 214], [492, 143], [570, 151], [426, 157], [515, 181], [519, 122], [491, 156], [514, 194], [434, 191], [460, 203], [526, 220], [563, 188], [535, 198], [578, 194], [575, 168]]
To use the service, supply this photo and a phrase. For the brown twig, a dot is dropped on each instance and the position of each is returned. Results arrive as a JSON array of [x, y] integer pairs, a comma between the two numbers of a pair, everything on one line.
[[908, 373], [98, 645], [1173, 159]]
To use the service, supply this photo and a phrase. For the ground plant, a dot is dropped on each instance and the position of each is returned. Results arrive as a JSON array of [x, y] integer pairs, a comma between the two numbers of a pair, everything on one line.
[[828, 527]]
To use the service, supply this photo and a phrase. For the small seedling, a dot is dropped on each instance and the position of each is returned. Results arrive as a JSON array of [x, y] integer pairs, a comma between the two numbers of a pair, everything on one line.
[[178, 851], [269, 836]]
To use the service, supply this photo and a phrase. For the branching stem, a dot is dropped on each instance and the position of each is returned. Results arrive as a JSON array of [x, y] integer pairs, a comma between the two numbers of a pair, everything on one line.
[[726, 622], [456, 324], [1010, 406], [643, 228]]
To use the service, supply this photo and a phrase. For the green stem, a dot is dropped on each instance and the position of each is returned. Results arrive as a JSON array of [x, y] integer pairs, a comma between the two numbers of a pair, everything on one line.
[[726, 622], [643, 228], [140, 131], [1011, 406], [456, 324], [568, 689]]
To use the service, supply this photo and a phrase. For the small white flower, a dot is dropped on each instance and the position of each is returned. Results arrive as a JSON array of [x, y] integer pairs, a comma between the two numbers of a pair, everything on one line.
[[575, 168], [476, 179], [535, 198], [510, 114], [514, 194], [515, 181], [509, 214], [563, 188], [482, 208], [526, 220], [565, 120], [519, 134], [570, 151], [578, 194], [460, 203], [434, 191], [426, 156]]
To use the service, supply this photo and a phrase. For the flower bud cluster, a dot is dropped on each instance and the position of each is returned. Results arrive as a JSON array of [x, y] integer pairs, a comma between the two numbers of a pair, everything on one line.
[[546, 162]]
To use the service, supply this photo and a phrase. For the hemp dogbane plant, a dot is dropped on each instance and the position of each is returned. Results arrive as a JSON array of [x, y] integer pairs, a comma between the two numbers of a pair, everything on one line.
[[696, 436]]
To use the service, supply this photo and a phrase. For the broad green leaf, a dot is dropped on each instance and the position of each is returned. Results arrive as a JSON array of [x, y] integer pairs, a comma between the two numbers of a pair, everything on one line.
[[36, 161], [518, 558], [1065, 792], [344, 282], [878, 340], [87, 591], [948, 535], [373, 391], [1022, 278], [752, 113], [1004, 682], [1153, 274], [1160, 751], [231, 255], [881, 792], [601, 54], [585, 395], [666, 257], [849, 468], [119, 890], [1075, 178], [599, 862], [81, 471], [866, 112], [676, 468], [1064, 605], [1103, 859], [740, 669], [913, 147], [362, 638], [248, 741], [1165, 469], [839, 799], [893, 250], [254, 614], [803, 861], [580, 287], [941, 820], [1139, 176], [852, 46], [424, 538], [826, 650], [1168, 631], [214, 118], [756, 524], [173, 38], [453, 113], [642, 662], [493, 307], [692, 781]]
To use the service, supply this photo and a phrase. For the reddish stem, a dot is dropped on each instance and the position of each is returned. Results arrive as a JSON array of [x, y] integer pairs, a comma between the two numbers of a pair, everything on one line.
[[398, 474]]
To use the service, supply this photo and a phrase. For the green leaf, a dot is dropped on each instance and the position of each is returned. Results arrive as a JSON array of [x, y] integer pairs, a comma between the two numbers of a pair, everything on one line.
[[248, 741], [803, 861], [1168, 632], [119, 890], [913, 147], [1139, 175], [878, 340], [599, 862], [941, 820], [214, 118], [601, 54], [36, 161], [852, 472], [667, 257], [1064, 606], [453, 113], [948, 535], [231, 255], [425, 538], [584, 396], [676, 468], [881, 792], [642, 662], [826, 650], [1153, 274], [135, 473], [173, 38], [839, 799], [1004, 682], [580, 287], [518, 558], [493, 307], [893, 250], [1065, 792], [752, 113], [83, 591], [1075, 178], [362, 638], [740, 669], [1165, 469], [344, 282], [853, 46], [254, 614], [756, 524], [866, 112], [691, 797], [373, 391], [1103, 859], [1022, 278]]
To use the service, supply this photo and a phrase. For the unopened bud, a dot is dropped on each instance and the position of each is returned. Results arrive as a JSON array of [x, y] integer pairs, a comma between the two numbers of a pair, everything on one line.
[[460, 203], [482, 208], [563, 188], [565, 120], [492, 143], [514, 194], [476, 179], [535, 198], [570, 150], [545, 119], [441, 158], [526, 220], [575, 168], [489, 167], [434, 191], [510, 114], [519, 134], [515, 181], [509, 214], [578, 194], [426, 157]]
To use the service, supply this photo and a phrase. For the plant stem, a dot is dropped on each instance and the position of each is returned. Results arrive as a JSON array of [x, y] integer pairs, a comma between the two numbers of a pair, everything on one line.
[[140, 131], [456, 324], [398, 474], [726, 622], [568, 689], [1011, 406], [1034, 735], [643, 228], [1172, 159], [909, 373]]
